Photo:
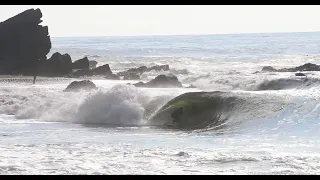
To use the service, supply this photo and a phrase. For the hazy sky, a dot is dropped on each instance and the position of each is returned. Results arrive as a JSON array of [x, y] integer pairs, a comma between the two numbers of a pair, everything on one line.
[[109, 20]]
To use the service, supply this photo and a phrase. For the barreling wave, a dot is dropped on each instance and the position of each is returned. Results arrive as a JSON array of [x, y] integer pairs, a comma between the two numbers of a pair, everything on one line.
[[203, 110]]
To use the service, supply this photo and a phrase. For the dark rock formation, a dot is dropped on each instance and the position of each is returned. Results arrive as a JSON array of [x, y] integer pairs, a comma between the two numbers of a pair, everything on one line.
[[161, 81], [81, 64], [300, 74], [131, 76], [99, 71], [23, 42], [93, 64], [305, 67], [80, 85], [140, 70], [56, 65], [112, 77]]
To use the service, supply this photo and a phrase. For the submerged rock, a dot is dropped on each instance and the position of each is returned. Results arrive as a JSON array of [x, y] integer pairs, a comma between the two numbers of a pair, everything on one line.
[[142, 69], [131, 76], [268, 69], [138, 71], [99, 71], [300, 74], [161, 81], [112, 77], [80, 85]]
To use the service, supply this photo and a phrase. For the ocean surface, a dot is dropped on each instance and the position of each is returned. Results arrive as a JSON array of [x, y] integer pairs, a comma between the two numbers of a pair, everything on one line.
[[270, 130]]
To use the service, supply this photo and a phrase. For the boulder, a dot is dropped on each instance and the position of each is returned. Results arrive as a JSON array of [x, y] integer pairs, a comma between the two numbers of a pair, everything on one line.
[[80, 85], [93, 64], [161, 81], [23, 42], [81, 64], [112, 77], [131, 76]]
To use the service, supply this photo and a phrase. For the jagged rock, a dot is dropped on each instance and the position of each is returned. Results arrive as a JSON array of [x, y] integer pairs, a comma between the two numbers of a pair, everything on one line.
[[93, 64], [80, 85], [131, 76], [161, 81], [56, 65], [23, 42], [112, 77], [81, 64]]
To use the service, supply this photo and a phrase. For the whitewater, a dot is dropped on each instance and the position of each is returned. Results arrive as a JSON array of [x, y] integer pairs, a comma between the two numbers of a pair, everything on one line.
[[268, 122]]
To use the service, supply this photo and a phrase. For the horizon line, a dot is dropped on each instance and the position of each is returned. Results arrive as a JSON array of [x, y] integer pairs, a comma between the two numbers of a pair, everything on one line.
[[204, 34]]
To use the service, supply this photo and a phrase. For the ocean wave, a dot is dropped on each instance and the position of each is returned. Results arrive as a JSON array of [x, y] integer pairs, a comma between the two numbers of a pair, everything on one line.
[[216, 109]]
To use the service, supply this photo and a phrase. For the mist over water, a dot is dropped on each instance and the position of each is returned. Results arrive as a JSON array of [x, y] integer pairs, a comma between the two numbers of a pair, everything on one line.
[[270, 121]]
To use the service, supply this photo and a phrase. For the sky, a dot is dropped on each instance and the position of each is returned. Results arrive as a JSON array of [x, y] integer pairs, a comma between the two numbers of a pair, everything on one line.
[[133, 20]]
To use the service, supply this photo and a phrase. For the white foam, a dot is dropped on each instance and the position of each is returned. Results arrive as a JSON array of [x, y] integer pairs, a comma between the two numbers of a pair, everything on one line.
[[121, 105]]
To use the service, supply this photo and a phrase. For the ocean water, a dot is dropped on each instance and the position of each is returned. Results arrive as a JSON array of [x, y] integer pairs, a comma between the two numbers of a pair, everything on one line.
[[270, 130]]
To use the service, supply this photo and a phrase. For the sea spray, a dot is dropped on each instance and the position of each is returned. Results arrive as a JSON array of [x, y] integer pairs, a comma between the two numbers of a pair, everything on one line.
[[121, 105]]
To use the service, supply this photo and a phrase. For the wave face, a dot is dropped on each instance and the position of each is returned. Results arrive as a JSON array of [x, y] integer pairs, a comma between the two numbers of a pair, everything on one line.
[[217, 109]]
